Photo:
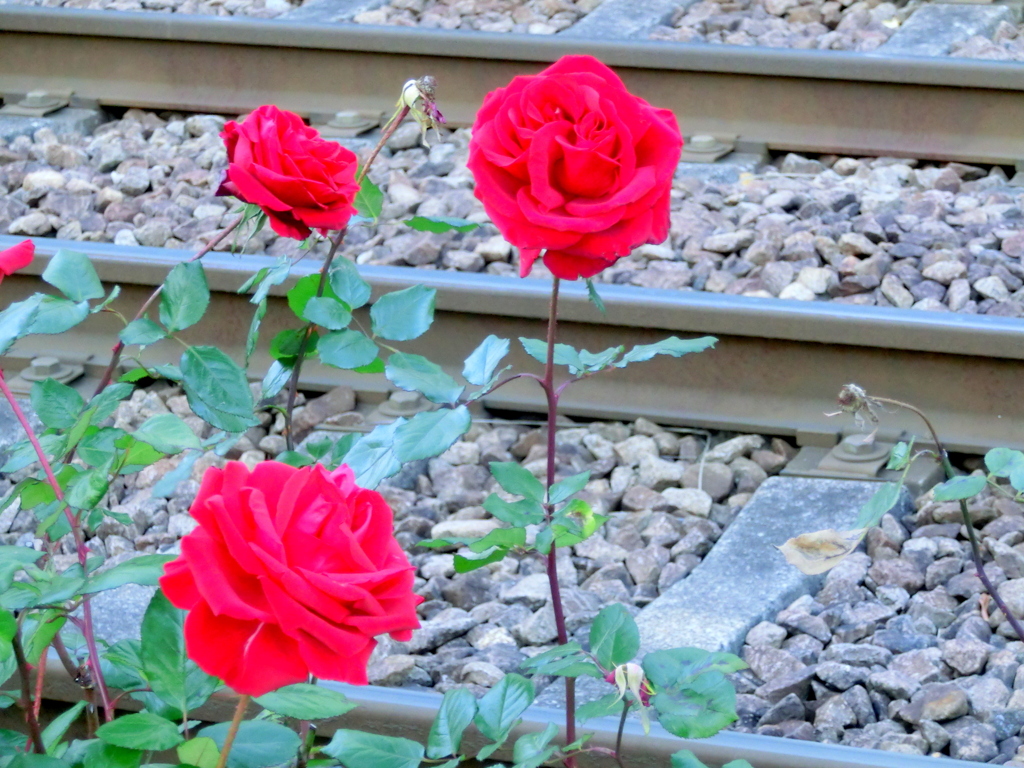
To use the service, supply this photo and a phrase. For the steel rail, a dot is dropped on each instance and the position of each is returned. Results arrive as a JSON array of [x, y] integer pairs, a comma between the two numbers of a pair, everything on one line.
[[408, 713], [776, 369], [819, 101]]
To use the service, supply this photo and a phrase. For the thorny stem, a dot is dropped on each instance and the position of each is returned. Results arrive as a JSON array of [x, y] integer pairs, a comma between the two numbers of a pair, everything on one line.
[[35, 735], [115, 356], [972, 536], [83, 556], [618, 737], [293, 381], [548, 384], [389, 129], [236, 721]]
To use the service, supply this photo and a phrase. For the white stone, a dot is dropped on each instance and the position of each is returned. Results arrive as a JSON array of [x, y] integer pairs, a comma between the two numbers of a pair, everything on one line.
[[690, 501], [797, 292]]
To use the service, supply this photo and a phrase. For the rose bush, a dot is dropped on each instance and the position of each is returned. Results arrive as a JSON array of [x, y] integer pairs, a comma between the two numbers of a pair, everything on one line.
[[301, 181], [291, 572], [571, 164], [18, 257]]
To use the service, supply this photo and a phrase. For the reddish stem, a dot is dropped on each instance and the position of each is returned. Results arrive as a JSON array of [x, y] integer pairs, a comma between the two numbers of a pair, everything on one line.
[[35, 735], [83, 556], [548, 384]]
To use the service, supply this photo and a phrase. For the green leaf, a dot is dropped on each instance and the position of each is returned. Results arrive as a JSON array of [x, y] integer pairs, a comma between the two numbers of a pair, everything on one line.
[[306, 702], [347, 284], [369, 200], [167, 433], [373, 458], [346, 349], [673, 346], [259, 743], [57, 405], [201, 752], [482, 362], [614, 637], [962, 487], [56, 315], [531, 750], [1001, 462], [356, 749], [899, 457], [454, 716], [430, 433], [515, 479], [414, 373], [595, 297], [304, 291], [145, 570], [174, 678], [101, 755], [87, 489], [327, 312], [73, 275], [98, 447], [254, 330], [518, 514], [168, 484], [883, 499], [500, 708], [142, 332], [105, 403], [217, 389], [403, 315], [506, 538], [563, 489], [35, 761], [693, 697], [679, 665], [277, 376], [54, 732], [16, 320], [441, 224], [273, 276], [142, 730], [185, 296], [464, 564], [609, 704], [285, 345], [684, 758]]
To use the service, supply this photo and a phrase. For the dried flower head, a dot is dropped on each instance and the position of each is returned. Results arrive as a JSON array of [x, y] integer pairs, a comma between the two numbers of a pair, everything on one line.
[[420, 97], [855, 400]]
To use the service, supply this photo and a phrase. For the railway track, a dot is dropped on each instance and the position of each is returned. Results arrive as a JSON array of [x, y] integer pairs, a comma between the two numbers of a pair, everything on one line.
[[776, 369], [813, 101]]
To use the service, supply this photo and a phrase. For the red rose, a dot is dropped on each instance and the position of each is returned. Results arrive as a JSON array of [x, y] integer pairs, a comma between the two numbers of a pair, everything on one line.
[[291, 572], [279, 163], [571, 163], [18, 257]]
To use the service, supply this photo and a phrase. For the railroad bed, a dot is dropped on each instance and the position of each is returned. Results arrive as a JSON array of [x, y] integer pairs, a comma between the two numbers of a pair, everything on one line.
[[992, 32]]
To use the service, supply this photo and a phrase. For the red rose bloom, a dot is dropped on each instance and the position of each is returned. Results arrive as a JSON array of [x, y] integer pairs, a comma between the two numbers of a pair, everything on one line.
[[18, 257], [571, 163], [291, 572], [301, 181]]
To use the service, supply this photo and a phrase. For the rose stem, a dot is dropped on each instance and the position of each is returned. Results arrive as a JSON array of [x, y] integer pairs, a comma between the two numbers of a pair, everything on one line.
[[390, 128], [40, 680], [115, 356], [236, 721], [548, 385], [31, 720], [947, 467], [618, 737], [293, 380], [76, 531], [76, 674]]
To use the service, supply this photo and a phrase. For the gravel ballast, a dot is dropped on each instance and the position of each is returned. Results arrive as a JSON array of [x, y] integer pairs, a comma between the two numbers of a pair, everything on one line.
[[873, 232], [900, 650]]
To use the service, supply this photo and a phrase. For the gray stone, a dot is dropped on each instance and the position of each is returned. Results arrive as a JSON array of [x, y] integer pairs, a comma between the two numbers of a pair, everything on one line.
[[66, 120], [938, 702], [769, 663], [625, 18], [971, 740], [117, 613], [745, 579], [841, 676], [446, 625], [967, 656], [933, 29], [790, 707]]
